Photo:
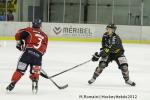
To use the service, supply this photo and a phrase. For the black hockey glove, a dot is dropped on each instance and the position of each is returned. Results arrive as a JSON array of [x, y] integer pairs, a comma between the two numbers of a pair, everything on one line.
[[20, 45], [96, 56]]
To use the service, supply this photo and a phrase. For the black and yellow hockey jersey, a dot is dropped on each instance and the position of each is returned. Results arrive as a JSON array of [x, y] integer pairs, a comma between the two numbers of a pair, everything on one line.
[[112, 44]]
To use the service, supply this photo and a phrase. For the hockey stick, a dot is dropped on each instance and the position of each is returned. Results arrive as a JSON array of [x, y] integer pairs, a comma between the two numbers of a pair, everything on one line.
[[69, 69], [44, 74]]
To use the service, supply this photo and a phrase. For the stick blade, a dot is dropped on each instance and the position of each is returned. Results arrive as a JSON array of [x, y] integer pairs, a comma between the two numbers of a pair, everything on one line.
[[63, 87]]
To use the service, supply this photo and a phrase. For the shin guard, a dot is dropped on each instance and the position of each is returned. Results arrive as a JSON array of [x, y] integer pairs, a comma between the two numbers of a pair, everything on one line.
[[16, 76], [35, 73], [125, 72], [97, 72]]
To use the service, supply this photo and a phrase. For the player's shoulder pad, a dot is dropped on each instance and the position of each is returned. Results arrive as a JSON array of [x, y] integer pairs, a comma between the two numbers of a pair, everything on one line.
[[20, 30], [105, 35], [117, 35]]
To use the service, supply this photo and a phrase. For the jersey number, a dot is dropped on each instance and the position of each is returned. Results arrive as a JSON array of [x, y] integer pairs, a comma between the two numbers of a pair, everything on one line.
[[40, 38]]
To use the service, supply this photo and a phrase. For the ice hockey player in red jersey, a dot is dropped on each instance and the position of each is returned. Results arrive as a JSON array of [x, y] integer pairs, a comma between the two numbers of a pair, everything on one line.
[[112, 50], [33, 42]]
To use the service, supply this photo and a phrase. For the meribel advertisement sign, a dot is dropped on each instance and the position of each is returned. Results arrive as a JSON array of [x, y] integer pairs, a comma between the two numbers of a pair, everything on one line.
[[70, 30]]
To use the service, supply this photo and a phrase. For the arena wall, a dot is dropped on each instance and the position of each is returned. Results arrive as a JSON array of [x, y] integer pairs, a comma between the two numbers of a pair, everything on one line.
[[78, 32]]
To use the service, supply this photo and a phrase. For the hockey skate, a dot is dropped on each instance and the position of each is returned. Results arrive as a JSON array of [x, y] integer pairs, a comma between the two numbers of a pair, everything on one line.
[[34, 86], [91, 81], [129, 82], [10, 87]]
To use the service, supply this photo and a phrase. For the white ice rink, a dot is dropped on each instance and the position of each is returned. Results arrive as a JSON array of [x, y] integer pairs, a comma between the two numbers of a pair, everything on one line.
[[64, 55]]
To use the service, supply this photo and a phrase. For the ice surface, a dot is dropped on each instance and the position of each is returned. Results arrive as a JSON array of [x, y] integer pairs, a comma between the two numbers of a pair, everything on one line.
[[64, 55]]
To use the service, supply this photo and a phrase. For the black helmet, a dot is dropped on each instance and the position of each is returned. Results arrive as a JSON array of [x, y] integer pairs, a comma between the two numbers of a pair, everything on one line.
[[113, 26], [37, 23]]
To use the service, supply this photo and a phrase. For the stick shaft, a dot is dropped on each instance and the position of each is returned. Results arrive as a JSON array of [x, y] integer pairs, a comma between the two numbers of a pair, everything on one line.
[[70, 69]]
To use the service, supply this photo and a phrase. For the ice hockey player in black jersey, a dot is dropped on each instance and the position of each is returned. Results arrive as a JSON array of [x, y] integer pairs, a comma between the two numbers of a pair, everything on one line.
[[112, 50]]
